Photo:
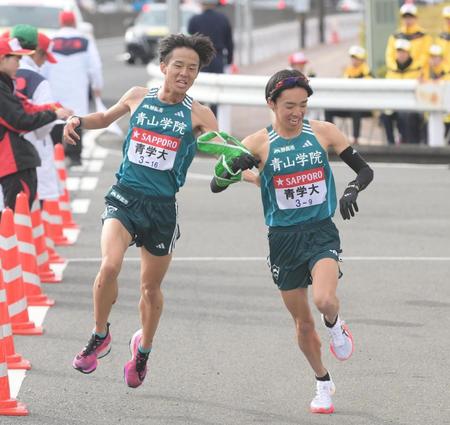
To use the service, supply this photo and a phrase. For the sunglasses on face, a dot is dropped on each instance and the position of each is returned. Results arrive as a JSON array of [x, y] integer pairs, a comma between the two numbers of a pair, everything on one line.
[[288, 83]]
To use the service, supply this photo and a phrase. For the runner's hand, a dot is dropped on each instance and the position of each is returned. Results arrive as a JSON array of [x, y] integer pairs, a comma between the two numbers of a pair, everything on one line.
[[347, 203], [72, 131], [244, 162]]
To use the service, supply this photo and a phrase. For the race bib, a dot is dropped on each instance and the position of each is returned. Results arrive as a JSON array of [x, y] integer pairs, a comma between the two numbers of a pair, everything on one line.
[[152, 149], [300, 190]]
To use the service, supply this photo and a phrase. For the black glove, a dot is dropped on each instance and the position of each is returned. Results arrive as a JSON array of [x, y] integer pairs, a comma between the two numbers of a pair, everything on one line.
[[347, 203], [244, 162]]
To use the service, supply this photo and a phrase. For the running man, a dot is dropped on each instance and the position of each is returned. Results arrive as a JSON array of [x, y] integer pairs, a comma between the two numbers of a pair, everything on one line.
[[299, 199], [141, 208]]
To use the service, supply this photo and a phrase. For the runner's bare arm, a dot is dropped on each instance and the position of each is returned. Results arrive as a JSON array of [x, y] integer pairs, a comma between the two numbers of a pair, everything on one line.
[[257, 144], [127, 103], [330, 136], [203, 119]]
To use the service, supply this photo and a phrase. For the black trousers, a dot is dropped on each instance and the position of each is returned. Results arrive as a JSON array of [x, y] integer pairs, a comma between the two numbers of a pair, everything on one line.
[[71, 151], [22, 181], [409, 124], [354, 115]]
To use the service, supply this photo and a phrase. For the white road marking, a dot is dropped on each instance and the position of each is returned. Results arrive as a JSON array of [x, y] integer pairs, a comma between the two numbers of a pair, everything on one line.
[[71, 234], [37, 314], [80, 206], [81, 183], [58, 269], [228, 259], [16, 376], [197, 176]]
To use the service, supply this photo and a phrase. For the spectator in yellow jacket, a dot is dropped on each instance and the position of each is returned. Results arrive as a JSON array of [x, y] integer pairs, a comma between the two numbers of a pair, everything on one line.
[[409, 124], [438, 70], [443, 39], [357, 68], [411, 31]]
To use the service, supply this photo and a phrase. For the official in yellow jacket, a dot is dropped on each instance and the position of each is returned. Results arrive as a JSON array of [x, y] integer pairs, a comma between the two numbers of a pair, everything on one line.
[[438, 70], [443, 39], [409, 124], [411, 31]]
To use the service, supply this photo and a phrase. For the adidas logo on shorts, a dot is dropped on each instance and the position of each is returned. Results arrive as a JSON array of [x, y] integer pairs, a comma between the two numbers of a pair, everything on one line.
[[161, 246]]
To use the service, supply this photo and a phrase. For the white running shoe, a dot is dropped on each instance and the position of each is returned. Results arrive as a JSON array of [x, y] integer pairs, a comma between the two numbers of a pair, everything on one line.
[[322, 402], [341, 340]]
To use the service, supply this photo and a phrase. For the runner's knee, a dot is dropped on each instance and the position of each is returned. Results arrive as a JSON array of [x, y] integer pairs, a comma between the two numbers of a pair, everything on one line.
[[150, 291], [325, 302], [109, 271], [304, 328]]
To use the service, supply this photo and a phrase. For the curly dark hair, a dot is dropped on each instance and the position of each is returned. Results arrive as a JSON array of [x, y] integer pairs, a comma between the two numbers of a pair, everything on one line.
[[201, 44], [272, 92]]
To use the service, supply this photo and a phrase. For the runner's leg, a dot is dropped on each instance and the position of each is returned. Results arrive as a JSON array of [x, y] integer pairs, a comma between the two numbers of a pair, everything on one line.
[[115, 240], [325, 275], [296, 301], [153, 270]]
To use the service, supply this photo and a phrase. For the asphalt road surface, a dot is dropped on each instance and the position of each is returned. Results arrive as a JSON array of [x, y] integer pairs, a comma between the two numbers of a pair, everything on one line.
[[225, 352]]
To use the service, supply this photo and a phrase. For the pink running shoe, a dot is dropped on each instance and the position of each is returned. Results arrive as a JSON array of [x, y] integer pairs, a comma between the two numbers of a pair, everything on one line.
[[341, 340], [86, 360], [136, 368], [322, 402]]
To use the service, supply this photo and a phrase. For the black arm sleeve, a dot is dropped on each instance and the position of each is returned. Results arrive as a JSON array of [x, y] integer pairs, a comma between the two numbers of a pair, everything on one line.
[[355, 161]]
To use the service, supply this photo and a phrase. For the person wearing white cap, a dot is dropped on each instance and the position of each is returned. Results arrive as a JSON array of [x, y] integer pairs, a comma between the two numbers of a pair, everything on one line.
[[357, 68], [79, 68], [410, 124], [443, 39], [438, 70], [411, 31]]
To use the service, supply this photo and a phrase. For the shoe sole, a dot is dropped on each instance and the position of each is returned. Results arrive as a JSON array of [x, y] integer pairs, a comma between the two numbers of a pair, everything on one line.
[[350, 336], [322, 410], [87, 371]]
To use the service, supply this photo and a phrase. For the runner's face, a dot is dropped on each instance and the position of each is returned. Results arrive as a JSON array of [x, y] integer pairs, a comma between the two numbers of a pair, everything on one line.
[[182, 69], [290, 107], [9, 64]]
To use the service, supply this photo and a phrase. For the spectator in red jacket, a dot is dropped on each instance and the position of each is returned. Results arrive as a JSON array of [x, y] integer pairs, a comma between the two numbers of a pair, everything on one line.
[[18, 157]]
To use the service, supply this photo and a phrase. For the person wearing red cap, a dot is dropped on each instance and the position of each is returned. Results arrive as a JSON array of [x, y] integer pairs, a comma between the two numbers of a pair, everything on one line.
[[298, 61], [36, 88], [78, 68], [18, 157]]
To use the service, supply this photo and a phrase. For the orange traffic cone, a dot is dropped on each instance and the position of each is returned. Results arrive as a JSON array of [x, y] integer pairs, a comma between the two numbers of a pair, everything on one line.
[[54, 220], [8, 405], [64, 199], [14, 360], [12, 278], [27, 254], [334, 35], [46, 274], [334, 39]]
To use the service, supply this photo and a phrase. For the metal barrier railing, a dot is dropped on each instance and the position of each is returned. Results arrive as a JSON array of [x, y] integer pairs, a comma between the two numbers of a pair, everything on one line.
[[331, 93]]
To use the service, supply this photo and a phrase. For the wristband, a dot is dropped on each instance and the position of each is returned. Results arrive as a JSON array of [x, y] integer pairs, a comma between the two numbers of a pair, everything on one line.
[[79, 118]]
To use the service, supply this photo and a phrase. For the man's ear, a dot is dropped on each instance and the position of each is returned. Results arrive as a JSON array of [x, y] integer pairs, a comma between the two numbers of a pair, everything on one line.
[[271, 104], [163, 67]]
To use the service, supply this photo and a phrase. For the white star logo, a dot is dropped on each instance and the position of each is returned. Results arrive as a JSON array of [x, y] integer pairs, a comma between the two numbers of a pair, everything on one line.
[[136, 134], [280, 181]]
